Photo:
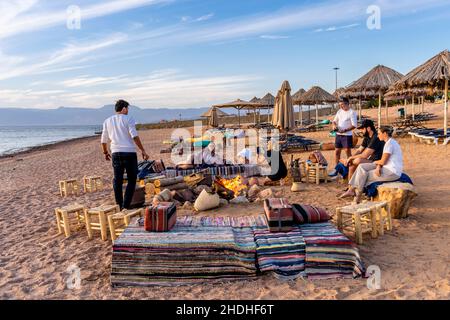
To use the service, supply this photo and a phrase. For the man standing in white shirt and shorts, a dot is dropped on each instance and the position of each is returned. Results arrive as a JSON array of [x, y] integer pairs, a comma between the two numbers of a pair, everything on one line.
[[344, 123], [120, 130]]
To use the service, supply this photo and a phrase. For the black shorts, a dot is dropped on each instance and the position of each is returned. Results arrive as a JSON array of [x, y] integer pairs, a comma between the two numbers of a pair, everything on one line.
[[343, 142]]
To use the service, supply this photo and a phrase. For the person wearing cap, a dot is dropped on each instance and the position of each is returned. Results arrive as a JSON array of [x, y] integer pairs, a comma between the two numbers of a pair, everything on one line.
[[343, 124], [388, 168], [370, 150]]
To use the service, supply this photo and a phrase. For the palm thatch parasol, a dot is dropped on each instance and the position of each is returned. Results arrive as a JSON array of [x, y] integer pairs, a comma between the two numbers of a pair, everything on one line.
[[296, 101], [283, 113], [374, 83], [268, 101], [239, 105], [315, 96], [432, 73], [219, 113]]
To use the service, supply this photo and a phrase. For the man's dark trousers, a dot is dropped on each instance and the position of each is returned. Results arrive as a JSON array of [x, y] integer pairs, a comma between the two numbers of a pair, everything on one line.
[[124, 161]]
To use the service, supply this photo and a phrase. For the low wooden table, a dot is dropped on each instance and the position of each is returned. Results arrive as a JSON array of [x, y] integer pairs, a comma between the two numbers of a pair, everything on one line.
[[365, 217]]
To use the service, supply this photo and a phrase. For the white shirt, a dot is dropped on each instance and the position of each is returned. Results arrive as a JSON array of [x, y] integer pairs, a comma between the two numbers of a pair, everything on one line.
[[120, 129], [395, 162], [345, 120]]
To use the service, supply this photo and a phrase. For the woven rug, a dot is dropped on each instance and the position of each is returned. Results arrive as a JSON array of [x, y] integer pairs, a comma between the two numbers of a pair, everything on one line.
[[282, 253], [183, 256], [329, 253], [236, 222]]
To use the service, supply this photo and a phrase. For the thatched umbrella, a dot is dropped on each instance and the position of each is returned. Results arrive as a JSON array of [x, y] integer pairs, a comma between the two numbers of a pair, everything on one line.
[[208, 113], [283, 113], [405, 94], [374, 83], [238, 104], [268, 101], [296, 101], [431, 74], [315, 96]]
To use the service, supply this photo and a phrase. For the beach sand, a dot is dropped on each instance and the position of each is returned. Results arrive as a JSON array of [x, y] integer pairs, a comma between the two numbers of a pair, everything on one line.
[[413, 258]]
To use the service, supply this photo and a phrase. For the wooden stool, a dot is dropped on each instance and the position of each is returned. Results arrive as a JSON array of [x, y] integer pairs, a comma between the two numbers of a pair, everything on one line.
[[68, 187], [68, 216], [92, 184], [101, 214], [119, 221], [360, 218], [316, 172], [384, 218]]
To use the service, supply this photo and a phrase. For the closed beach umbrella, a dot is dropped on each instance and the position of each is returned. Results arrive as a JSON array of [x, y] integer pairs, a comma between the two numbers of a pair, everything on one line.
[[283, 113], [373, 84], [433, 75], [213, 120]]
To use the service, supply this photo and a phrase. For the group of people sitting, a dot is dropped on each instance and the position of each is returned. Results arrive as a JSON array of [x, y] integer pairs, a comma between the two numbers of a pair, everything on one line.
[[378, 159]]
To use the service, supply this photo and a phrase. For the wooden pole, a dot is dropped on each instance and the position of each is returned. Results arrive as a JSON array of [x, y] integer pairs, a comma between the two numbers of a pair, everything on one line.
[[359, 110], [239, 117], [446, 107], [301, 115], [423, 104], [317, 114], [413, 107], [379, 109], [387, 112], [406, 110]]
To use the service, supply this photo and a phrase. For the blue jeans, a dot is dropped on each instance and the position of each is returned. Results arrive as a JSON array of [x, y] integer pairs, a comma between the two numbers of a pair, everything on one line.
[[121, 162]]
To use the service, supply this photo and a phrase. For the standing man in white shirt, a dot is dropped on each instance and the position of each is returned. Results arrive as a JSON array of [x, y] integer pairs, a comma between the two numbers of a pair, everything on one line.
[[344, 123], [120, 130]]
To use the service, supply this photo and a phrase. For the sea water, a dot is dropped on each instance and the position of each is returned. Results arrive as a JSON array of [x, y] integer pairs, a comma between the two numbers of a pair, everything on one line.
[[14, 139]]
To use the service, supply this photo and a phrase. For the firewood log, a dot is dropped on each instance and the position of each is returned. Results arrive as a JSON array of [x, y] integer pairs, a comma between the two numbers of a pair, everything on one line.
[[159, 183]]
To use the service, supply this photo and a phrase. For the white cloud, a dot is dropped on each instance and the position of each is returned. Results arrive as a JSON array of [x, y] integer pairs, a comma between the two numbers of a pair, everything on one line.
[[337, 28], [205, 17], [19, 19], [162, 88], [273, 37], [61, 60]]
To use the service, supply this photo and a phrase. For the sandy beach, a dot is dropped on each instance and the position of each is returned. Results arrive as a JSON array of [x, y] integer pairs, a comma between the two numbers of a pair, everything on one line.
[[413, 258]]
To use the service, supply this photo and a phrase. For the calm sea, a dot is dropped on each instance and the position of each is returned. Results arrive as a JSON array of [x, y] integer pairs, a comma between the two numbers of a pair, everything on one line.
[[19, 138]]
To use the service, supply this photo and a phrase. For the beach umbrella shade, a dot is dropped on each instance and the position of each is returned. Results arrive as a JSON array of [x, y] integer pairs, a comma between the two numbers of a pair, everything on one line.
[[219, 113], [238, 105], [268, 101], [315, 96], [373, 84], [283, 113], [433, 73], [256, 100], [296, 101]]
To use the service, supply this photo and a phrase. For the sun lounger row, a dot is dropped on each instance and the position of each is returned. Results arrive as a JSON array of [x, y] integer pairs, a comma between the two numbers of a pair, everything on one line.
[[431, 136]]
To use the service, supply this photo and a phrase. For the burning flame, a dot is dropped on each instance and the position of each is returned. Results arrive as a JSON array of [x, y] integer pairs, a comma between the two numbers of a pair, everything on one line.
[[236, 185]]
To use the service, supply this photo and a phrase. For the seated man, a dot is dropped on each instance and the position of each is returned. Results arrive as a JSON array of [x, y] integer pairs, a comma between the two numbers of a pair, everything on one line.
[[370, 150], [388, 168]]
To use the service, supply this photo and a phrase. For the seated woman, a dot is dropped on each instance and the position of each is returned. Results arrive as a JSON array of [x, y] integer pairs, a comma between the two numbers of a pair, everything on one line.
[[388, 168]]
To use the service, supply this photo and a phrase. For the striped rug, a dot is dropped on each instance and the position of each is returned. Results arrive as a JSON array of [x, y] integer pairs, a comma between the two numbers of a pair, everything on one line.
[[329, 253]]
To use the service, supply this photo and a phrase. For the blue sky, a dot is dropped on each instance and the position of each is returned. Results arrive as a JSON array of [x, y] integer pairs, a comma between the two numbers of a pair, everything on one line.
[[192, 53]]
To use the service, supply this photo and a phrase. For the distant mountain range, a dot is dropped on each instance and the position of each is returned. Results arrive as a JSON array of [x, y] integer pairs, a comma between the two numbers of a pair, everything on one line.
[[84, 116]]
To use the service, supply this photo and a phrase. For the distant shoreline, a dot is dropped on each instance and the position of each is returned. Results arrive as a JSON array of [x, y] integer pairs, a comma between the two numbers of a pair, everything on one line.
[[47, 146]]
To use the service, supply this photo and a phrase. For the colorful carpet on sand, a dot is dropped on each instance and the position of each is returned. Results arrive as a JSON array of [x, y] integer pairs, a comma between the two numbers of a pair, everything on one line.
[[210, 249]]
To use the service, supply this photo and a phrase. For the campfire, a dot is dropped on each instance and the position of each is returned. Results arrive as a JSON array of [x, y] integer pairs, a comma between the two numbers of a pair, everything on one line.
[[230, 188]]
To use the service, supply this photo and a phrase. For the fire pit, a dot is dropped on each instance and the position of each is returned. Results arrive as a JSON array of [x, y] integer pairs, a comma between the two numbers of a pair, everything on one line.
[[230, 188]]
